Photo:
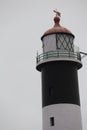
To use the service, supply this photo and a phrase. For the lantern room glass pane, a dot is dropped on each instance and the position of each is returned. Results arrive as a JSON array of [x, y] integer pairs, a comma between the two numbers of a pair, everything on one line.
[[64, 42]]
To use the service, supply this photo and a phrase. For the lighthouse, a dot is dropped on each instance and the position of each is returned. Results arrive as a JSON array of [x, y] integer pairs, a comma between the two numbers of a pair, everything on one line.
[[59, 64]]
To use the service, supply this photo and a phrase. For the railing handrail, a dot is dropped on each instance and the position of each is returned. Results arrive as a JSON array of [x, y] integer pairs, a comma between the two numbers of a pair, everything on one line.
[[58, 54]]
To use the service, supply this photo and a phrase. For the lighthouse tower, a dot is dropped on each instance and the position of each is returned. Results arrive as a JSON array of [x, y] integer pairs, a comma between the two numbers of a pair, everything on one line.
[[59, 64]]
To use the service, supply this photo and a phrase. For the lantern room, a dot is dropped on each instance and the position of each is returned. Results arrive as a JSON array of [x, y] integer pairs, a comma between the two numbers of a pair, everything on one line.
[[57, 38], [58, 44]]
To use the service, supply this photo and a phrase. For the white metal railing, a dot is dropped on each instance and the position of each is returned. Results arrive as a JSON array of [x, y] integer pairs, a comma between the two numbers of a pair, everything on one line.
[[58, 54]]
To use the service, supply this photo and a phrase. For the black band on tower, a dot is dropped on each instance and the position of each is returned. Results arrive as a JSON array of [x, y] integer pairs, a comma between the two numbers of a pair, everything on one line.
[[59, 83]]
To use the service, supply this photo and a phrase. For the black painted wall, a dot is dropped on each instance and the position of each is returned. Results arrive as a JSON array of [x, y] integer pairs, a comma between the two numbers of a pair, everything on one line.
[[59, 83]]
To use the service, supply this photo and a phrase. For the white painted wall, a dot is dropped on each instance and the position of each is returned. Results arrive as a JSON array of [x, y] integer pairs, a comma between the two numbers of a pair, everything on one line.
[[49, 43], [66, 117]]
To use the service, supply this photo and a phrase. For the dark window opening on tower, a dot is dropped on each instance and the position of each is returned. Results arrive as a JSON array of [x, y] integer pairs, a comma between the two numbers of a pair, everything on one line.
[[51, 121]]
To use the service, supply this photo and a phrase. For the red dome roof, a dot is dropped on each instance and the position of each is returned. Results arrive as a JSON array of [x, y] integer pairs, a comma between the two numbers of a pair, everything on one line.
[[57, 28]]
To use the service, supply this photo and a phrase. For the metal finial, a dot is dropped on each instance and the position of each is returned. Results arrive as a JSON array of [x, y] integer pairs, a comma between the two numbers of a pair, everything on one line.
[[58, 14]]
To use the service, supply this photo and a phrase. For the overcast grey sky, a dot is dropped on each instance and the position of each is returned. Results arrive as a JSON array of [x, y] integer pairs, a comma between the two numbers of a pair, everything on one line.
[[22, 23]]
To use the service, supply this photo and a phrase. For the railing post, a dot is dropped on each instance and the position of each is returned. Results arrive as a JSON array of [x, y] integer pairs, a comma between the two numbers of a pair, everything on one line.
[[37, 57], [69, 54], [79, 56], [47, 55], [57, 53]]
